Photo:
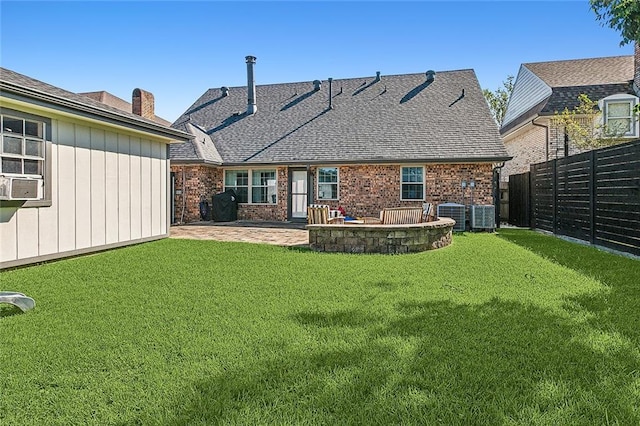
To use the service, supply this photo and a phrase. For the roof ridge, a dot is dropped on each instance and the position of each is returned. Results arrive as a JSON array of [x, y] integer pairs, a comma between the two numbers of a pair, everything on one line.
[[347, 78], [577, 59]]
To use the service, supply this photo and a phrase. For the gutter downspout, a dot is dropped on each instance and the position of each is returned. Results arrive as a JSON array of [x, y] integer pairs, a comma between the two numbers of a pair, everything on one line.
[[310, 195], [184, 196], [546, 134], [497, 199]]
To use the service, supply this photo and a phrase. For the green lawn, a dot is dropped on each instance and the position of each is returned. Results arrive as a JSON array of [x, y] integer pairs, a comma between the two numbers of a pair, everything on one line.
[[513, 328]]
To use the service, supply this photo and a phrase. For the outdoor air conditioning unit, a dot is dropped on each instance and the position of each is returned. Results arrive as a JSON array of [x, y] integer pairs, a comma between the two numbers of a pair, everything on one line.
[[483, 217], [455, 212], [20, 188]]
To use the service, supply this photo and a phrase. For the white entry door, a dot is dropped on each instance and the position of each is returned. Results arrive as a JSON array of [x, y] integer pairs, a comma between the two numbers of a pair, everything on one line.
[[298, 194]]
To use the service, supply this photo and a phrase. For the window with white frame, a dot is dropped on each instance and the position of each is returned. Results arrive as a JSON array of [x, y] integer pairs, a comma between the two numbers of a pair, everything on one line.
[[619, 119], [252, 186], [25, 150], [328, 183], [412, 183], [22, 151], [263, 186]]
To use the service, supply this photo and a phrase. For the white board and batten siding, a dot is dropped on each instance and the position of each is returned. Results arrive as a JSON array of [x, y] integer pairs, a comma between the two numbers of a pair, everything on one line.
[[109, 187]]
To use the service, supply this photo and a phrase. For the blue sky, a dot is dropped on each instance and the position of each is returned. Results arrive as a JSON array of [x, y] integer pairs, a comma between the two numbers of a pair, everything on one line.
[[178, 50]]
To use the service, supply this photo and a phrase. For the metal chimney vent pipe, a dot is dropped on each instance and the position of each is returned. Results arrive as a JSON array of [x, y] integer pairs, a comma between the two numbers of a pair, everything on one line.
[[251, 86], [330, 96], [431, 75]]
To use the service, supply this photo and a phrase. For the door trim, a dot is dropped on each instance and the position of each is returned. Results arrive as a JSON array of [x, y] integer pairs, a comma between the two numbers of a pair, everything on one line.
[[290, 192]]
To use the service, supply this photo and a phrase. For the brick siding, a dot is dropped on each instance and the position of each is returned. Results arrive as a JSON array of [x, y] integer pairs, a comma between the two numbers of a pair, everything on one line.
[[196, 183], [529, 147], [363, 190], [270, 212], [526, 148]]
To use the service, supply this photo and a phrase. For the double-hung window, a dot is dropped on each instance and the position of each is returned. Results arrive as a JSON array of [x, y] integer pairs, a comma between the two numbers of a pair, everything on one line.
[[238, 180], [263, 186], [252, 186], [619, 118], [328, 183], [412, 183], [22, 151]]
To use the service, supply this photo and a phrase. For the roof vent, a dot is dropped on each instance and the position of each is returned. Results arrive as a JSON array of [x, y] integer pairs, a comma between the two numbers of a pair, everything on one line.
[[431, 75], [251, 86], [377, 75], [225, 91], [316, 85]]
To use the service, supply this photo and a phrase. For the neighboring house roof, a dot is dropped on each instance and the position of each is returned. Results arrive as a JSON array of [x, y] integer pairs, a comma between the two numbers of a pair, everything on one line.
[[21, 87], [398, 118], [544, 88], [567, 97], [116, 102], [109, 99], [584, 72]]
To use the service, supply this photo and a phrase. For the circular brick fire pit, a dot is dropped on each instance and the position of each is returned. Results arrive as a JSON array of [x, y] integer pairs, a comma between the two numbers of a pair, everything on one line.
[[377, 238]]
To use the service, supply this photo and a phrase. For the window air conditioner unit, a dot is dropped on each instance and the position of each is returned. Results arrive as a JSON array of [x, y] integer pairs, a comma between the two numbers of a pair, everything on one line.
[[20, 188], [455, 212], [483, 217]]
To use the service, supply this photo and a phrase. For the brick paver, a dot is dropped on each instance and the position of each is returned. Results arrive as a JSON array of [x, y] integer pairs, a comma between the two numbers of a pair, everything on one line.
[[282, 234]]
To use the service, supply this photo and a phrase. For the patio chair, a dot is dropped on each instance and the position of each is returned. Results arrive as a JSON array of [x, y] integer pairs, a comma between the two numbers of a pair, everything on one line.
[[319, 214], [17, 299], [401, 215], [427, 212], [370, 219]]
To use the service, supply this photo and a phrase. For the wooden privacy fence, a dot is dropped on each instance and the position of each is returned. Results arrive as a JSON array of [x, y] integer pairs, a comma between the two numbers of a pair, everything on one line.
[[593, 196]]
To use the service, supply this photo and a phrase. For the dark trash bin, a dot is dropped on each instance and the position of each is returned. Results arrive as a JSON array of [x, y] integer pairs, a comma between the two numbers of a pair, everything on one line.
[[225, 206], [205, 210]]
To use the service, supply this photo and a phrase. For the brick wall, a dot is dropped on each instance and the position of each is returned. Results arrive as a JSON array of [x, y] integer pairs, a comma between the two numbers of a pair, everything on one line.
[[556, 142], [203, 182], [363, 190], [195, 182], [270, 212], [529, 147], [444, 183], [526, 148]]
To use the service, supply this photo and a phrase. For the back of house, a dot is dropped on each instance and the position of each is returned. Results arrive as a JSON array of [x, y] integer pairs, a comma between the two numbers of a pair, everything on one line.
[[362, 144]]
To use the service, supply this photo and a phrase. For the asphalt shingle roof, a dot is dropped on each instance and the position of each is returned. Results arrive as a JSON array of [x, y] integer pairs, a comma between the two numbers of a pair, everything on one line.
[[567, 97], [12, 81], [584, 72], [398, 118], [116, 102]]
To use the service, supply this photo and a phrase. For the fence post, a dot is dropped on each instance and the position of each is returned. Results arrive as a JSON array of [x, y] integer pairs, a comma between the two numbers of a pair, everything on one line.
[[529, 200], [592, 196]]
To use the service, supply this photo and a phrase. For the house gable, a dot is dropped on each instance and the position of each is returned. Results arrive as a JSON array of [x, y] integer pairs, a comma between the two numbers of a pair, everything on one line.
[[528, 91]]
